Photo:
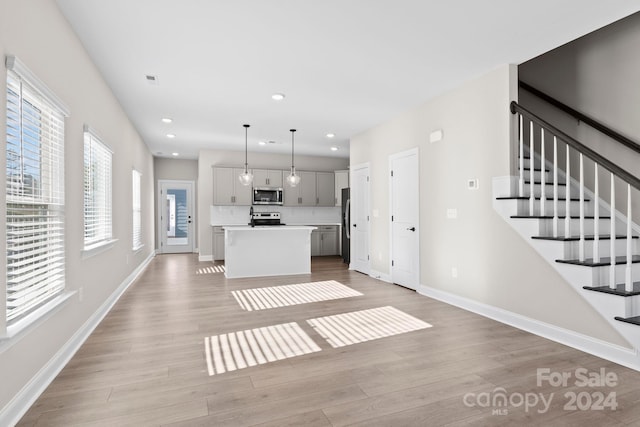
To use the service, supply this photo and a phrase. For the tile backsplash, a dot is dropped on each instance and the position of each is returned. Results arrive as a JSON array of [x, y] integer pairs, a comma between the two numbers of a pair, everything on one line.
[[239, 215]]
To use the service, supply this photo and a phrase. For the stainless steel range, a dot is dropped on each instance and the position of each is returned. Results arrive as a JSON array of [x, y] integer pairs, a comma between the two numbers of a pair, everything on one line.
[[265, 218]]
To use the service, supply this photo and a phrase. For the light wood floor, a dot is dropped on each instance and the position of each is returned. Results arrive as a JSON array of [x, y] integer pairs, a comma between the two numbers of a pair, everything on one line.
[[145, 363]]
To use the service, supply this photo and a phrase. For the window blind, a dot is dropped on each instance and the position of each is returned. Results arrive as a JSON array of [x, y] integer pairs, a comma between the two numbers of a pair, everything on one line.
[[34, 198], [137, 211], [97, 191]]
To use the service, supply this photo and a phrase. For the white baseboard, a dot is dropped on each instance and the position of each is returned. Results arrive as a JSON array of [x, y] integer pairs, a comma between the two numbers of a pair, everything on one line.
[[621, 355], [203, 258], [22, 401]]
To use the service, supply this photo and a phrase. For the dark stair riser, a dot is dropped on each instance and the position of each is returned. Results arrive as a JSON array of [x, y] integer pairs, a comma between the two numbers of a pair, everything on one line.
[[604, 261]]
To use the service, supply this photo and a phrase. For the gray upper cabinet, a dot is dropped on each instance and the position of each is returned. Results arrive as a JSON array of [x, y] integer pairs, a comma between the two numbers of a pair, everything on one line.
[[227, 189], [315, 189], [325, 189], [342, 181], [304, 194], [267, 178]]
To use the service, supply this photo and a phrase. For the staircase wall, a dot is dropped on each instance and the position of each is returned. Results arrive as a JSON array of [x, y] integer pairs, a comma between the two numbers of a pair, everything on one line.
[[597, 75], [497, 269]]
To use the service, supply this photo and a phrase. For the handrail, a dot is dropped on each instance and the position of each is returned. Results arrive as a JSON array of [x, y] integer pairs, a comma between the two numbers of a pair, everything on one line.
[[612, 167], [582, 117]]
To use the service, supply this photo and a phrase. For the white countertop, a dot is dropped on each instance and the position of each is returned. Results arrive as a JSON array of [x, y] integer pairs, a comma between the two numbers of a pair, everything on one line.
[[288, 224], [268, 227]]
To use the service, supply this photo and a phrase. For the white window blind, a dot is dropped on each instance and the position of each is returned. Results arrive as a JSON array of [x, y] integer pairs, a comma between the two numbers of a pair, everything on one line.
[[34, 197], [97, 191], [137, 211]]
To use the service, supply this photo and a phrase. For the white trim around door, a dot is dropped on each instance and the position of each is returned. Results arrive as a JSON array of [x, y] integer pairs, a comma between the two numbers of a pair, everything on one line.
[[176, 220]]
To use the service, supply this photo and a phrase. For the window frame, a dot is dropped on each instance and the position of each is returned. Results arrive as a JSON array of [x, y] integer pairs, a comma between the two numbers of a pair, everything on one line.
[[97, 169], [28, 254], [136, 202]]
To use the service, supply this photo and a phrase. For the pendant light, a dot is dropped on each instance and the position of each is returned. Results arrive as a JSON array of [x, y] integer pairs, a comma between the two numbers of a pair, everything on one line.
[[293, 179], [246, 178]]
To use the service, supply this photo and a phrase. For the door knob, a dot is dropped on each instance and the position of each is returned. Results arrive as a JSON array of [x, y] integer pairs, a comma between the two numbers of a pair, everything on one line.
[[411, 229]]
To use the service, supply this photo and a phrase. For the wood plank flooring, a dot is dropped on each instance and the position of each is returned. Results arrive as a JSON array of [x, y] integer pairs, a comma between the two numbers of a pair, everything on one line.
[[145, 363]]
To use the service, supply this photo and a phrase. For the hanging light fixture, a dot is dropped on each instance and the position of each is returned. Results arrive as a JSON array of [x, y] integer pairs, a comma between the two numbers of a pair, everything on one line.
[[246, 178], [293, 179]]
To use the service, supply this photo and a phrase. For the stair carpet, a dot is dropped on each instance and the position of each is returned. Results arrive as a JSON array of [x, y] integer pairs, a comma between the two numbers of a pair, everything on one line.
[[588, 262]]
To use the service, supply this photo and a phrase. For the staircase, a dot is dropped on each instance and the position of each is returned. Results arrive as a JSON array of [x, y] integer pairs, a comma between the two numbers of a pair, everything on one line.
[[589, 242]]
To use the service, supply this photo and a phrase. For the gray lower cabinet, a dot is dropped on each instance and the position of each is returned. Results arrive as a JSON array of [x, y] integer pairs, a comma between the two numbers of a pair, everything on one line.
[[218, 243], [324, 240]]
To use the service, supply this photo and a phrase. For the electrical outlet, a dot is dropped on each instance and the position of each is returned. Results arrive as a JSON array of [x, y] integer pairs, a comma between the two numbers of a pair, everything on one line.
[[452, 213], [454, 272]]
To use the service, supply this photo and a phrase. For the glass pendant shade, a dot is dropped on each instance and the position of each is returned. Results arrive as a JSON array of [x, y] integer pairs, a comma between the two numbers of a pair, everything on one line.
[[246, 177], [292, 179]]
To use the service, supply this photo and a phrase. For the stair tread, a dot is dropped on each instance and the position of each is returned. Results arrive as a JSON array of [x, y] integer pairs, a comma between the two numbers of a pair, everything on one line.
[[619, 290], [604, 261], [560, 199], [633, 320], [576, 238], [559, 217], [560, 184]]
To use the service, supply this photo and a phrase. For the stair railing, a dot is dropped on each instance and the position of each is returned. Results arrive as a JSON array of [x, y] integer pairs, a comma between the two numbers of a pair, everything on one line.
[[547, 129]]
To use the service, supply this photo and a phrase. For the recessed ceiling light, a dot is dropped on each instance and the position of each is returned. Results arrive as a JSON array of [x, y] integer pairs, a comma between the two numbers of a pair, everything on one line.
[[175, 154], [334, 148], [166, 120], [262, 143], [277, 96], [331, 135], [171, 135]]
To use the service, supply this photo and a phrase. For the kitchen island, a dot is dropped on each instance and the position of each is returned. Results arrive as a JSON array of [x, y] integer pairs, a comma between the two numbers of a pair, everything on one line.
[[267, 250]]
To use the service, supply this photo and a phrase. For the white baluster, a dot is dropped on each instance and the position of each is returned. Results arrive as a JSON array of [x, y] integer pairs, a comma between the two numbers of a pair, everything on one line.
[[628, 282], [521, 180], [555, 186], [612, 241], [596, 215], [543, 180], [567, 203], [531, 168], [581, 244]]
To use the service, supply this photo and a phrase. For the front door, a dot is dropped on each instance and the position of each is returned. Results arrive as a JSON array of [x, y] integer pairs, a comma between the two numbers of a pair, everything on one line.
[[405, 242], [360, 219], [175, 209]]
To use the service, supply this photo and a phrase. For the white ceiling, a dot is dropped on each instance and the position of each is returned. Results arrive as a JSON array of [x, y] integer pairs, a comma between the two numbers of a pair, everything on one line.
[[344, 65]]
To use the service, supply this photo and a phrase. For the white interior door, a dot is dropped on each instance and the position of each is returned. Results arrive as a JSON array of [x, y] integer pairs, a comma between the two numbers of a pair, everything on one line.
[[360, 219], [175, 211], [404, 198]]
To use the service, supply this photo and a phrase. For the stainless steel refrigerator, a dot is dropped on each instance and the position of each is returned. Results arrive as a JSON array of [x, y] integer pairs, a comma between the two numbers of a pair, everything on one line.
[[346, 226]]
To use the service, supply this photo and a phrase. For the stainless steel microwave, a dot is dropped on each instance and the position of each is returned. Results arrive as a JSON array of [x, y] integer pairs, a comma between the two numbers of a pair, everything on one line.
[[267, 196]]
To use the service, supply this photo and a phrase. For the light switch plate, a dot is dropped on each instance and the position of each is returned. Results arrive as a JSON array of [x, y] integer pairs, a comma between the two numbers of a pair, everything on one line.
[[473, 184]]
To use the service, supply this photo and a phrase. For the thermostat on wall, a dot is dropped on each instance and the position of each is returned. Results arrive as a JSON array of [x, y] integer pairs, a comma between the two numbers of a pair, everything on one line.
[[435, 136], [472, 184]]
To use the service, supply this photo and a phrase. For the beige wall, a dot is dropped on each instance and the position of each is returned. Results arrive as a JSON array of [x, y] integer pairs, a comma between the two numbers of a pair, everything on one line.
[[209, 158], [495, 266], [40, 37]]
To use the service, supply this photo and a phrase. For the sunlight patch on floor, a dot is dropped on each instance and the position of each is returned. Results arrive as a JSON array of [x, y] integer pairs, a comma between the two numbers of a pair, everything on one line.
[[243, 349], [211, 270], [359, 326], [301, 293]]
